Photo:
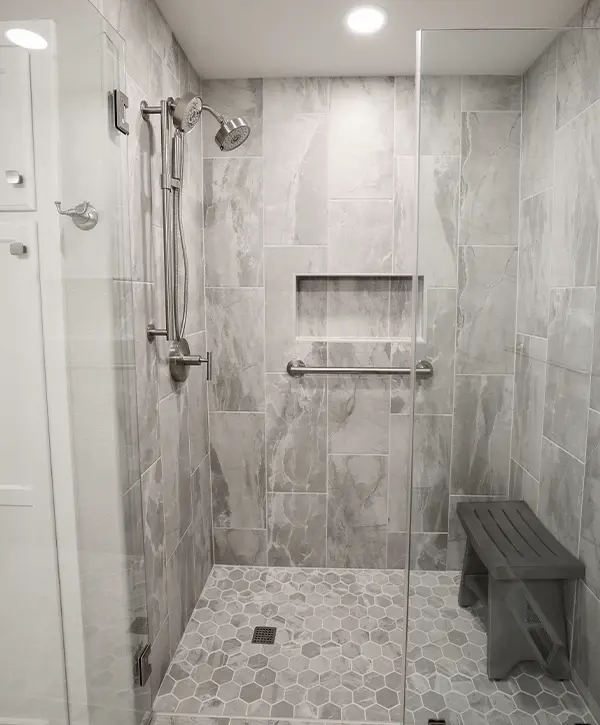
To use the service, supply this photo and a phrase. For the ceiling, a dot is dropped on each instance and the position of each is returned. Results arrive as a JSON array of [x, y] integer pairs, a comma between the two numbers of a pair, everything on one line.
[[269, 38]]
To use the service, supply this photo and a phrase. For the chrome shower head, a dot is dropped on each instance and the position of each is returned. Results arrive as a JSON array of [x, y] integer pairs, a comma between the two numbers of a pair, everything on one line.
[[233, 133], [187, 112]]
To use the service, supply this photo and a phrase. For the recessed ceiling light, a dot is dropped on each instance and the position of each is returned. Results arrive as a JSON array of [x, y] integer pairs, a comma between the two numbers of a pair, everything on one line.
[[26, 39], [366, 19]]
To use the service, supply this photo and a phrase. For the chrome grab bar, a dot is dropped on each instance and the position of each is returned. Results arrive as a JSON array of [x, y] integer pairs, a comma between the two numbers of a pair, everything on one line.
[[297, 369]]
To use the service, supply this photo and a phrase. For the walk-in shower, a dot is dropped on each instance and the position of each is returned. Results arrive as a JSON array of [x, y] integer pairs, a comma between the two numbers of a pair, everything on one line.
[[183, 114]]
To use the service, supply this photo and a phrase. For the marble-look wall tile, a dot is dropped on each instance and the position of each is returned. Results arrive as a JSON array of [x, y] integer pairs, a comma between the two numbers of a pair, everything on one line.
[[296, 529], [296, 431], [578, 85], [160, 658], [233, 222], [396, 550], [535, 242], [311, 307], [523, 486], [589, 542], [360, 237], [238, 472], [361, 164], [576, 202], [585, 658], [176, 468], [561, 487], [154, 547], [434, 394], [133, 26], [281, 266], [428, 552], [489, 196], [528, 415], [491, 93], [295, 151], [406, 120], [570, 341], [198, 399], [233, 98], [481, 436], [487, 281], [202, 525], [440, 115], [289, 97], [405, 224], [595, 382], [357, 511], [438, 219], [235, 335], [192, 225], [240, 547], [539, 124], [180, 589], [358, 307], [400, 472], [401, 308]]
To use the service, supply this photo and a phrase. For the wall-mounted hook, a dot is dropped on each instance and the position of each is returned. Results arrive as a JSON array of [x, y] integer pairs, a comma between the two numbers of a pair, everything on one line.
[[84, 215]]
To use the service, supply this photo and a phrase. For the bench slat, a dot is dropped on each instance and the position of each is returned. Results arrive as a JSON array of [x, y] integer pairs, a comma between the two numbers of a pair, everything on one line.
[[514, 544]]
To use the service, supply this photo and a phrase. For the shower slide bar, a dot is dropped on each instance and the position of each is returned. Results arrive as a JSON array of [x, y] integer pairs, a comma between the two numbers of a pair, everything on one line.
[[297, 369]]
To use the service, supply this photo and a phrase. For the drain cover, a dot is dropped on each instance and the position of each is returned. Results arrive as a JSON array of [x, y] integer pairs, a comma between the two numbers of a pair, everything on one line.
[[264, 635]]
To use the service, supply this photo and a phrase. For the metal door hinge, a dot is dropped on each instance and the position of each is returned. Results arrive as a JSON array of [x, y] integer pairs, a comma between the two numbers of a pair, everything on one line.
[[120, 106], [142, 667]]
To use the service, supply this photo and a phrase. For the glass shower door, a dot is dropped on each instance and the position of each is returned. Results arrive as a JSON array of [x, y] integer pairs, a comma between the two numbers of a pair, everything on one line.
[[507, 249]]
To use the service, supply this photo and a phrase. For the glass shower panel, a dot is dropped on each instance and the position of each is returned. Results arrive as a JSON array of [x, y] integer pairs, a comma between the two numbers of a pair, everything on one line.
[[72, 508], [505, 451]]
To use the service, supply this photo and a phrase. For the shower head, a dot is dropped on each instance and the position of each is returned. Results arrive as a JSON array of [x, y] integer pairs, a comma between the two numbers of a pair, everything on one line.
[[187, 111], [233, 133]]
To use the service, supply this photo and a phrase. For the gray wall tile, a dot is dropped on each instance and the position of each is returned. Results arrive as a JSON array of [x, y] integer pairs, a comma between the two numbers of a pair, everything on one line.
[[578, 86], [234, 98], [523, 486], [590, 514], [360, 236], [296, 529], [491, 93], [243, 547], [440, 115], [202, 525], [154, 547]]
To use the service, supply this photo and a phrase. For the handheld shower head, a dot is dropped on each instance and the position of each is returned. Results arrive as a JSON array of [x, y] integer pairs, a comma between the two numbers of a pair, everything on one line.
[[233, 133], [187, 112]]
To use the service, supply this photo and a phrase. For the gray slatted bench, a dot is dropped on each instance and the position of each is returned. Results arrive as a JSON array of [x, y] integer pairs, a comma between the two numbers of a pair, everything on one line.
[[517, 570]]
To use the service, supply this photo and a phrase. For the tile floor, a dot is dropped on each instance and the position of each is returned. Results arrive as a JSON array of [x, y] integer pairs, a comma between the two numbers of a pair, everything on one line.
[[338, 654]]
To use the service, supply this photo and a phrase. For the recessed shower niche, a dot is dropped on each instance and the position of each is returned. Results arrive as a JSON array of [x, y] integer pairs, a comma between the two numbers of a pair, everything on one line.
[[356, 307]]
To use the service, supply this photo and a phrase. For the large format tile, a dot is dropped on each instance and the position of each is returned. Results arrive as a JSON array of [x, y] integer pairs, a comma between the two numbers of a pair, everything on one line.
[[361, 138], [357, 511], [154, 547], [481, 436], [238, 471], [198, 400], [296, 430], [585, 657], [561, 486], [528, 413], [570, 340], [358, 307], [539, 124], [487, 281], [428, 552], [405, 224], [296, 529], [288, 97], [235, 335], [576, 202], [523, 486], [281, 266], [534, 264], [491, 93], [233, 222], [240, 546], [578, 85], [434, 394], [176, 467], [406, 119], [360, 236], [202, 525], [233, 98], [489, 196], [440, 115], [296, 180], [180, 588], [589, 542]]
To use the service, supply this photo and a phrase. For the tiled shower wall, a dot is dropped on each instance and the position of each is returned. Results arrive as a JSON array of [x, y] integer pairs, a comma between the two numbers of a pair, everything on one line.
[[313, 471], [555, 462], [173, 425]]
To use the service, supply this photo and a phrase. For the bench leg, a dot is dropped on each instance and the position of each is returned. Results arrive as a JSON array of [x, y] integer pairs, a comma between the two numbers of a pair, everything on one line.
[[506, 645], [471, 565], [547, 600]]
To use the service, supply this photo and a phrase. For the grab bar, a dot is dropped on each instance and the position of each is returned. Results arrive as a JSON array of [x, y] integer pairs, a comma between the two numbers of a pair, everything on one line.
[[297, 369]]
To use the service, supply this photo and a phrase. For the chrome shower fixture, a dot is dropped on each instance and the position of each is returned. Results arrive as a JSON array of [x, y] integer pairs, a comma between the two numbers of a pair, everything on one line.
[[186, 114]]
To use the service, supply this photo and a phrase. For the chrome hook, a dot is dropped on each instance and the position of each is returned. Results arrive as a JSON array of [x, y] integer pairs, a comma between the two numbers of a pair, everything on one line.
[[84, 215]]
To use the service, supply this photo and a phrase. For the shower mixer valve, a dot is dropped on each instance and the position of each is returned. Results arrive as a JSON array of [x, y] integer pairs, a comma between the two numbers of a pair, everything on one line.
[[180, 361]]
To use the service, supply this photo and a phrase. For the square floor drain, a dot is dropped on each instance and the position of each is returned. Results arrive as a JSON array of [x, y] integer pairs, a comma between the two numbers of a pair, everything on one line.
[[264, 635]]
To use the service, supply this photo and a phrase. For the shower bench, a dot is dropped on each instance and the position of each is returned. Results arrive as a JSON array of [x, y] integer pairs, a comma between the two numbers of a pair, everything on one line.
[[517, 570]]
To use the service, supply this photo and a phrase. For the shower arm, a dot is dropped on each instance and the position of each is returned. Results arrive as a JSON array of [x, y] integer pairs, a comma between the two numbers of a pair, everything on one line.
[[215, 114]]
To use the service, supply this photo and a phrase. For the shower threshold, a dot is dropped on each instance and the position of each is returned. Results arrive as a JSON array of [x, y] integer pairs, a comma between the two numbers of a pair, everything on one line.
[[338, 655]]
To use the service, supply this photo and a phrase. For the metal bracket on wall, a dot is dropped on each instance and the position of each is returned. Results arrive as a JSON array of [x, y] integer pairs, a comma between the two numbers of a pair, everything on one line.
[[120, 104]]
